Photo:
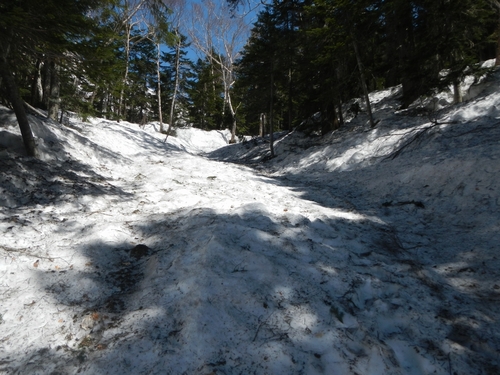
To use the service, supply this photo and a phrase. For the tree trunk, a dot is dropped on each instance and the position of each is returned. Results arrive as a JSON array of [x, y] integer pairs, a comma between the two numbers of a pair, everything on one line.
[[158, 90], [363, 81], [223, 114], [125, 77], [339, 105], [335, 120], [104, 107], [290, 99], [401, 49], [18, 106], [457, 92], [46, 83], [54, 98], [176, 84], [261, 124], [497, 60], [271, 113], [36, 85], [204, 108], [233, 118], [395, 43]]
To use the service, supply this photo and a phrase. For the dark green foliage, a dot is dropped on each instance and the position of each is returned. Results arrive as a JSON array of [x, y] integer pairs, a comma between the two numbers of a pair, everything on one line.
[[298, 68], [206, 94], [422, 44], [32, 31], [268, 71], [52, 25], [424, 37], [84, 40], [254, 71], [35, 35], [186, 79], [139, 92]]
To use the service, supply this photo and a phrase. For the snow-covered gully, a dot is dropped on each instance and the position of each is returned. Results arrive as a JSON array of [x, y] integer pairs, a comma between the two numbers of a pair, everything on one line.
[[365, 252]]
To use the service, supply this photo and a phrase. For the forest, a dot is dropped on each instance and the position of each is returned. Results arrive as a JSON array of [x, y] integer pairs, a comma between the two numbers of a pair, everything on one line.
[[298, 65], [250, 187]]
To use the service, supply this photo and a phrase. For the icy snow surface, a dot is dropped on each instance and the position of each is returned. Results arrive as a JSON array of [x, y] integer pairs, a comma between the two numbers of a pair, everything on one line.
[[367, 251]]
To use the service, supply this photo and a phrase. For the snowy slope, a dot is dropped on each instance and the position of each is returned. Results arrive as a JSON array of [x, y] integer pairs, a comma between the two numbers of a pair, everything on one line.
[[369, 251]]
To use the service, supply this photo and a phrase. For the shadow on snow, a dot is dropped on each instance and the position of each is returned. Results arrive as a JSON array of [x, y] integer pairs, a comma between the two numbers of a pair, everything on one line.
[[245, 293]]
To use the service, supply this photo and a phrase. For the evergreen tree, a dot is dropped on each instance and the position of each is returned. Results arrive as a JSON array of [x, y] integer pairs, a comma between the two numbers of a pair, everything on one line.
[[324, 53], [268, 66], [255, 69], [99, 71], [459, 32], [142, 82], [177, 73], [424, 37], [29, 28], [206, 94]]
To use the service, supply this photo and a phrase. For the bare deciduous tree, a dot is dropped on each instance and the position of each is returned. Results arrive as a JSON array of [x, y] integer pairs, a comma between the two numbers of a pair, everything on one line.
[[149, 16], [219, 35], [129, 18], [178, 7]]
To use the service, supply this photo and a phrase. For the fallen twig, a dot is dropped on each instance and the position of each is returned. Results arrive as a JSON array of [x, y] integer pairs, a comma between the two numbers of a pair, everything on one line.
[[25, 252], [419, 134], [258, 328], [34, 110], [415, 203], [261, 323]]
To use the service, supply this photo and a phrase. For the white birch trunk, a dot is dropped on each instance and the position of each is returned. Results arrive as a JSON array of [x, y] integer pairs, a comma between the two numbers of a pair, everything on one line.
[[125, 77], [177, 79], [158, 90]]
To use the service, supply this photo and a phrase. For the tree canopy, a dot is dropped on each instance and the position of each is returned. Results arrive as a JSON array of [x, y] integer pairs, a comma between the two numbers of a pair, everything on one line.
[[302, 62], [324, 52]]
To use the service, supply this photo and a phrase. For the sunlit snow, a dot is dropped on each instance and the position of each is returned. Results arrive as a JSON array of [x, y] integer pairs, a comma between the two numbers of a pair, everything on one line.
[[367, 251]]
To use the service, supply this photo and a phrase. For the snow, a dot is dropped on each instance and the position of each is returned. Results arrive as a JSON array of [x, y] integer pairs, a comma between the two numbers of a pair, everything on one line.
[[367, 251]]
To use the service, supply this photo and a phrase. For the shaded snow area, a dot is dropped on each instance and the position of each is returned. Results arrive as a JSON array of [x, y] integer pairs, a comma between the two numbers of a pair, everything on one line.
[[367, 251]]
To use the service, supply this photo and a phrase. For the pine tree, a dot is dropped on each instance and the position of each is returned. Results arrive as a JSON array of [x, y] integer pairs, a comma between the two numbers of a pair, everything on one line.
[[176, 75], [98, 71], [268, 66], [459, 32], [206, 95], [425, 37], [255, 69], [142, 81], [326, 52], [29, 26]]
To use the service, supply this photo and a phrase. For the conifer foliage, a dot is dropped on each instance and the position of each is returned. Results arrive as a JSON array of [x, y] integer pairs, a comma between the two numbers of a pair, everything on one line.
[[32, 31], [324, 53], [302, 62], [88, 56]]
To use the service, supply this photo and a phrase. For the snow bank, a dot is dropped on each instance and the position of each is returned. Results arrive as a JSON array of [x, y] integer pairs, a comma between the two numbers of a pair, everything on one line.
[[369, 251]]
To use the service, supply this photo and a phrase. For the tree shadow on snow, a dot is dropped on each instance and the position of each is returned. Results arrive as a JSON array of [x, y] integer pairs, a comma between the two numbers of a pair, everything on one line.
[[441, 227], [439, 236], [146, 141], [251, 292], [29, 182]]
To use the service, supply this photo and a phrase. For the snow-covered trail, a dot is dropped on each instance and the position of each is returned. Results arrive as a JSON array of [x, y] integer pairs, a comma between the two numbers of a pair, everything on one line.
[[232, 262], [137, 257]]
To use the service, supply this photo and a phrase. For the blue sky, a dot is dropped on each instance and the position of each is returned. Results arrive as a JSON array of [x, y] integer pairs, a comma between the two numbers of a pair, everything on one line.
[[249, 8]]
